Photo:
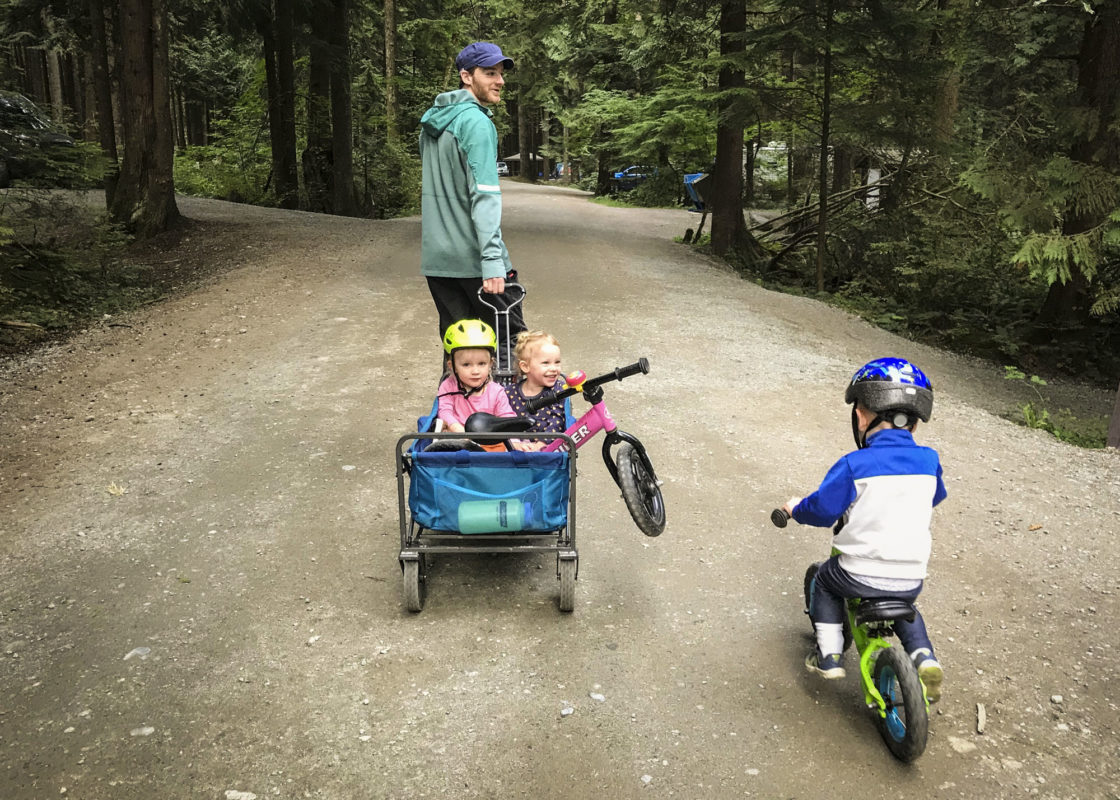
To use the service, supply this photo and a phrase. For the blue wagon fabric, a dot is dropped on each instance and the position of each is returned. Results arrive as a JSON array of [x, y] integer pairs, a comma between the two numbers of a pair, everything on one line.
[[440, 481]]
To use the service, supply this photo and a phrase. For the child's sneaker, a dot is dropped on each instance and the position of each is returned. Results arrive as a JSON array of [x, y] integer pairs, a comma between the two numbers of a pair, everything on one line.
[[930, 673], [828, 667]]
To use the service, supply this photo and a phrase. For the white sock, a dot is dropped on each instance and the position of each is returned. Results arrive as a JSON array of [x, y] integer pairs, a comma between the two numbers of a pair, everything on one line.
[[830, 637], [921, 651]]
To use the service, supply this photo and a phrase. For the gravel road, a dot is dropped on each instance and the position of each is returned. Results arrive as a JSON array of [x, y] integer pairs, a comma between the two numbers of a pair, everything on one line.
[[199, 535]]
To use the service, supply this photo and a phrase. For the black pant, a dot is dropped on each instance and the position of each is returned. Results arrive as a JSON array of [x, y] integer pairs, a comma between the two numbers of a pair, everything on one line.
[[457, 298]]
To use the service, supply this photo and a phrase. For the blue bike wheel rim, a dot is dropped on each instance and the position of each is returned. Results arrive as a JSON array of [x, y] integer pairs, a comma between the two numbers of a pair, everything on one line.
[[888, 688]]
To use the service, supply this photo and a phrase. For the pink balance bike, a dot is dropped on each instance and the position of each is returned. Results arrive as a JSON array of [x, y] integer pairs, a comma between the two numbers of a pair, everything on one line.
[[630, 467]]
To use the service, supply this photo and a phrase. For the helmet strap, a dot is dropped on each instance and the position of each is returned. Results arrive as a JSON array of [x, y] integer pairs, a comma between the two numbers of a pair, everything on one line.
[[464, 390], [857, 434]]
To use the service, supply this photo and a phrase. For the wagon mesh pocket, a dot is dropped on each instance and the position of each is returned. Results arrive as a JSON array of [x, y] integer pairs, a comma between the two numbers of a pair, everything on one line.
[[441, 481]]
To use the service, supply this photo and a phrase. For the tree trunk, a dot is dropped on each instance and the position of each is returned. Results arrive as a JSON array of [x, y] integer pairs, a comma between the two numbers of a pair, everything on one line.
[[1113, 439], [272, 88], [602, 176], [391, 109], [1099, 95], [842, 166], [947, 102], [54, 72], [546, 123], [195, 113], [178, 123], [524, 138], [89, 99], [37, 75], [145, 195], [729, 230], [791, 184], [103, 91], [287, 177], [54, 86], [566, 158], [317, 156], [113, 34], [749, 170], [342, 137], [72, 94], [826, 119]]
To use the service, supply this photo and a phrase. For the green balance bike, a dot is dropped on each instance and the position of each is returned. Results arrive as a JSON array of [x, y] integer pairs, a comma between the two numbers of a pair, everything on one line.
[[891, 686]]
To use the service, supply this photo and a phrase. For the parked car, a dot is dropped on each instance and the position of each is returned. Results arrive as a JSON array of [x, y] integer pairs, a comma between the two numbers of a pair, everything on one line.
[[503, 168], [629, 178], [29, 140]]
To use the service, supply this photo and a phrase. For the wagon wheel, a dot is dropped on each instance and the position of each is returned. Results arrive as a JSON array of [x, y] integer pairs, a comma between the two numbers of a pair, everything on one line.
[[567, 568], [413, 593]]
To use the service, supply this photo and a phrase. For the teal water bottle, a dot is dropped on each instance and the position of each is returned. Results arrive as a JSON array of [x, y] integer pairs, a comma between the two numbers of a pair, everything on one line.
[[494, 516]]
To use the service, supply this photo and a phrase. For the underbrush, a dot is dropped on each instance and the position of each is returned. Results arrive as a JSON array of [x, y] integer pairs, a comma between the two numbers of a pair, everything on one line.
[[60, 268], [1063, 424], [224, 174]]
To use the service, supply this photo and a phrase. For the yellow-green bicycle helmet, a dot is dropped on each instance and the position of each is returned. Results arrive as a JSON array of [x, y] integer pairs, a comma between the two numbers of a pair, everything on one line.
[[469, 333]]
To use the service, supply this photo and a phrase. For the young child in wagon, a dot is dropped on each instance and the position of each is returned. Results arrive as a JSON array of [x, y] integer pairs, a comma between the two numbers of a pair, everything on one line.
[[470, 345]]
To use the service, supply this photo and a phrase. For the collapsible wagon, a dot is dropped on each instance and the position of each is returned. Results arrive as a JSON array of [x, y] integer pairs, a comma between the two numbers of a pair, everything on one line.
[[454, 498]]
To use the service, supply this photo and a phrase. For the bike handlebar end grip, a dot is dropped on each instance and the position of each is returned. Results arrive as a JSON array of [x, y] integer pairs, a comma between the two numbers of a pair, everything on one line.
[[779, 517], [643, 362]]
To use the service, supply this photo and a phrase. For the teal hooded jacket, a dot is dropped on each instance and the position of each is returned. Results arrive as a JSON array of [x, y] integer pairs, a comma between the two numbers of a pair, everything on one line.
[[461, 203]]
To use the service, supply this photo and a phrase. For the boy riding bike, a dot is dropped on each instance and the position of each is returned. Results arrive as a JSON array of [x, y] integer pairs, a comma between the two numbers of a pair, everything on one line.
[[880, 498]]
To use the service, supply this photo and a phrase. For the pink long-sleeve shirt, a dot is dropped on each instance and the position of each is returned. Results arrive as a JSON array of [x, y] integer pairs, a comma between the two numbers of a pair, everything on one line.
[[455, 408]]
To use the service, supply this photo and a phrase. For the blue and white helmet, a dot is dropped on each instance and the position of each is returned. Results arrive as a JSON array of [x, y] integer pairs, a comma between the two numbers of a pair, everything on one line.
[[888, 385]]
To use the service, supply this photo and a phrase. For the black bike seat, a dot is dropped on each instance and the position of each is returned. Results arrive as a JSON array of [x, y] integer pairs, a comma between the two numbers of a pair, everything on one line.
[[481, 422], [884, 610]]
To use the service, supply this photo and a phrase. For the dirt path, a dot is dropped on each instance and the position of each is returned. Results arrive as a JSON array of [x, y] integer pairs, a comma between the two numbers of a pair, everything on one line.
[[198, 535]]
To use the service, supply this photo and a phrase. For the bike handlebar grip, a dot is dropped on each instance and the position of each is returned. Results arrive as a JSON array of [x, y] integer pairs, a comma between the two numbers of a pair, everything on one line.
[[534, 404], [779, 516], [641, 366]]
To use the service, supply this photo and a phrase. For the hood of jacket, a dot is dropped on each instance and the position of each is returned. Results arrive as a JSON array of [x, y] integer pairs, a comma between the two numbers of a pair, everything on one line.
[[447, 109]]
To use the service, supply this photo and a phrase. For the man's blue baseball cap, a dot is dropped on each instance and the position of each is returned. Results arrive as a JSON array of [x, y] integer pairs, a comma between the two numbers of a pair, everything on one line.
[[481, 54]]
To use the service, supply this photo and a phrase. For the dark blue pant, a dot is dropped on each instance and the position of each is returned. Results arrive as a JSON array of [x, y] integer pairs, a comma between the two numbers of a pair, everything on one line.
[[834, 584]]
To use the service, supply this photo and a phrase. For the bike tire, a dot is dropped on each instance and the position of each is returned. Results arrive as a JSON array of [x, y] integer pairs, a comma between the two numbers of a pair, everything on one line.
[[905, 728], [640, 491]]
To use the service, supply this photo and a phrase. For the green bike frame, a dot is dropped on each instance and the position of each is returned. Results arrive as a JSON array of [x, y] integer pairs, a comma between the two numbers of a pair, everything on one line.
[[869, 644]]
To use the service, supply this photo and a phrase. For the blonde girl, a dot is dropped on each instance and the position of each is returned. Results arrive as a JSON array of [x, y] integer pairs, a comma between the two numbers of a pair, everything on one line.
[[537, 355]]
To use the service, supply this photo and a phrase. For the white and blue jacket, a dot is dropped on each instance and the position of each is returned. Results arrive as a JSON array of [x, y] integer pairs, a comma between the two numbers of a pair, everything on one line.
[[885, 493]]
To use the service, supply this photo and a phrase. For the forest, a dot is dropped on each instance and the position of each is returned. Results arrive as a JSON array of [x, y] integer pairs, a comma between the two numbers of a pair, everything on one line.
[[950, 170]]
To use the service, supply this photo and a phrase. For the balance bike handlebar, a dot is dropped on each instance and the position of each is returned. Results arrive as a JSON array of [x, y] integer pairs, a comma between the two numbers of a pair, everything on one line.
[[641, 366]]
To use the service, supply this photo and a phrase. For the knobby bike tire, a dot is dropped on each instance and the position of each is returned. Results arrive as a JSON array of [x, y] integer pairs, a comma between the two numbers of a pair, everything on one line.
[[906, 726], [640, 491]]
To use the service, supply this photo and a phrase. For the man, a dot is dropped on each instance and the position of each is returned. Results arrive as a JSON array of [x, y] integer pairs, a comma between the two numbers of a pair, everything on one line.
[[461, 245]]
